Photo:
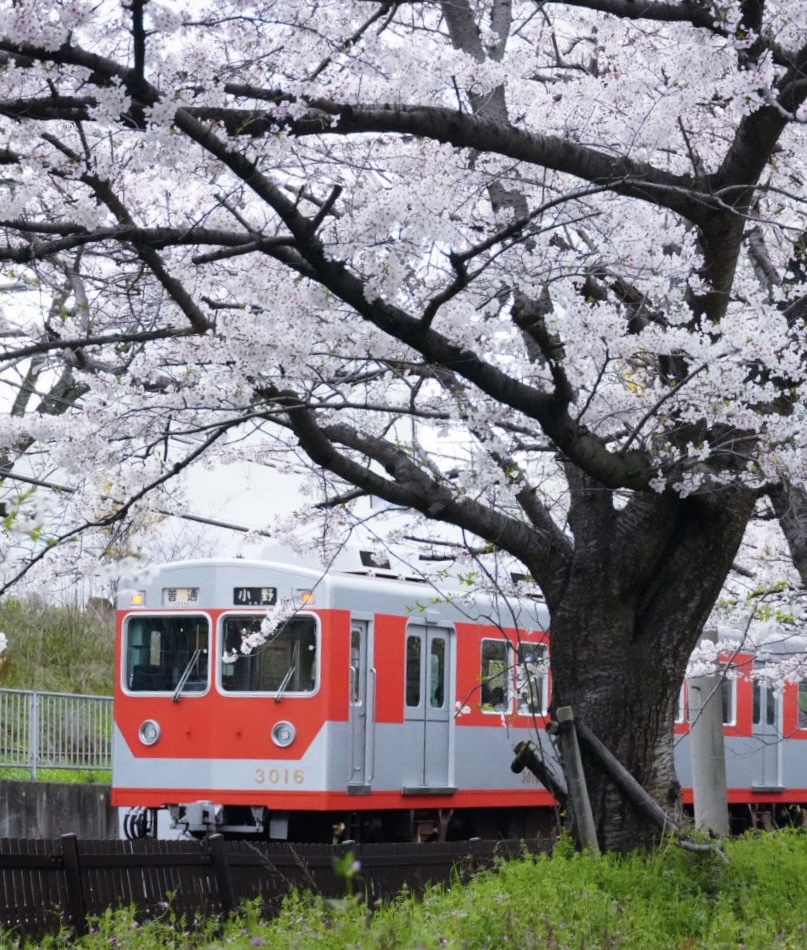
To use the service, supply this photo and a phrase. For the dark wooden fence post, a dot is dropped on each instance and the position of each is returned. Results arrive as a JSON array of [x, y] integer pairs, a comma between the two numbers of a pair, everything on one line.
[[76, 906], [221, 867]]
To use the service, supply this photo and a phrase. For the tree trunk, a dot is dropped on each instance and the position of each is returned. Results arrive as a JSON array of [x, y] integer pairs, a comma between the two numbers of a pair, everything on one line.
[[790, 504], [625, 618], [630, 705]]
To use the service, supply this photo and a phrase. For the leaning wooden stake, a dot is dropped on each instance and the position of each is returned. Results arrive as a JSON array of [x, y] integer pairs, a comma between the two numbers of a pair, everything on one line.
[[625, 780], [529, 756], [578, 793]]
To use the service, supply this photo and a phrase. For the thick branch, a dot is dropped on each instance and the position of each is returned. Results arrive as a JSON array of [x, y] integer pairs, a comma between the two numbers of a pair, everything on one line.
[[408, 484], [463, 130], [790, 504], [156, 238], [49, 346]]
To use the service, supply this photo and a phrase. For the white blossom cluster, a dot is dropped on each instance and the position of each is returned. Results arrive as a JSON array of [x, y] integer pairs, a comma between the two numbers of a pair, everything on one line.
[[252, 640]]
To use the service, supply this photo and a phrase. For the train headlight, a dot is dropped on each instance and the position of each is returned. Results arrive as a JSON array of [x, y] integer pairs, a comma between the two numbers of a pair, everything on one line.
[[283, 733], [149, 732]]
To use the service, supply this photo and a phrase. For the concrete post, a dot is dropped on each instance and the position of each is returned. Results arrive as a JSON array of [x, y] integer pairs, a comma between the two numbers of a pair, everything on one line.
[[708, 751]]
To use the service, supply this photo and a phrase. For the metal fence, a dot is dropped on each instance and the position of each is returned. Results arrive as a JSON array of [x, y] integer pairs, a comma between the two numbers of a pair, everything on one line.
[[55, 730]]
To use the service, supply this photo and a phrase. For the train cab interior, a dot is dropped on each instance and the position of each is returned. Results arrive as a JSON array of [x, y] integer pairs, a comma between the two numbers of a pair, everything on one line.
[[164, 652]]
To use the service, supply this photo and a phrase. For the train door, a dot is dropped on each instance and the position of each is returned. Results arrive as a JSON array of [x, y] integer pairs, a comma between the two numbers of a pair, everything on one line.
[[362, 707], [429, 681], [767, 725]]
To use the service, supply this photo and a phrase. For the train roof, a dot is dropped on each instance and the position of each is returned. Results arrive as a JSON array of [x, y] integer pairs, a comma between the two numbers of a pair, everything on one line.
[[764, 640], [215, 582]]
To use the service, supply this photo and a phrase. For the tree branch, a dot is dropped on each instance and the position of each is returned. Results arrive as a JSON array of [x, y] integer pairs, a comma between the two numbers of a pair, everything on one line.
[[407, 484]]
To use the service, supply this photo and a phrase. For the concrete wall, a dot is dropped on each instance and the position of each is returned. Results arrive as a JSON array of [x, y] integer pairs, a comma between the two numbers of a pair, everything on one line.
[[51, 809]]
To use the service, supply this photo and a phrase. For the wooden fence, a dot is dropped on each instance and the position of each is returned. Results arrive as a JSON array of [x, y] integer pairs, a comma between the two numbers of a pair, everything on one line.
[[49, 885]]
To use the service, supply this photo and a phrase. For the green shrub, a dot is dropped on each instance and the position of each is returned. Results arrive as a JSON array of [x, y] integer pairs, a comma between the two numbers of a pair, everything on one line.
[[58, 649]]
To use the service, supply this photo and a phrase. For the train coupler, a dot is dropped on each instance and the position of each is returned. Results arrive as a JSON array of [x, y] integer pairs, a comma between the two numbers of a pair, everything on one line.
[[139, 823]]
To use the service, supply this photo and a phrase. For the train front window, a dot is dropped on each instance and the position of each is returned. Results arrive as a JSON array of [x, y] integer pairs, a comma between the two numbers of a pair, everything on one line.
[[285, 663], [162, 652]]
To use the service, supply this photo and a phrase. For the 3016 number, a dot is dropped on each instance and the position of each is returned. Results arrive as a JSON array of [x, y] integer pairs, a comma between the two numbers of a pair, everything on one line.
[[279, 776]]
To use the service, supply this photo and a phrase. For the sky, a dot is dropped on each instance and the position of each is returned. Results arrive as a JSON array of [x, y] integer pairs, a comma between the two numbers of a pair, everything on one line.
[[251, 496]]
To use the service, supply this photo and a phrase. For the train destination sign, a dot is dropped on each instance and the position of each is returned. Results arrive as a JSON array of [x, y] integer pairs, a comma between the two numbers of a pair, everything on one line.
[[254, 596], [180, 595]]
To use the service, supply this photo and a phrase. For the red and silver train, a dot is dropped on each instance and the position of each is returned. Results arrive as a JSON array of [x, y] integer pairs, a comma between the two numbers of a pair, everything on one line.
[[382, 708], [379, 709], [764, 730]]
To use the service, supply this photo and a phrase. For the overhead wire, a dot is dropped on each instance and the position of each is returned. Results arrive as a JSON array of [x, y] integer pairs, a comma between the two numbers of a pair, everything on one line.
[[198, 519]]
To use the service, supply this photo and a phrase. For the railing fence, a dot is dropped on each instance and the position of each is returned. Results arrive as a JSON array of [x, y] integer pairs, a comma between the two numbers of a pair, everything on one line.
[[40, 730]]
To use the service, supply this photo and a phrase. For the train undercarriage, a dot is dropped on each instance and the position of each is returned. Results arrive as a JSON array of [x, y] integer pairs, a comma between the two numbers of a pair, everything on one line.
[[202, 818]]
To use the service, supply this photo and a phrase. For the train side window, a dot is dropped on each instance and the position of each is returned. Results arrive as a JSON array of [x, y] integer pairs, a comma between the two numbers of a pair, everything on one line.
[[437, 673], [728, 699], [495, 677], [532, 679], [802, 704], [764, 705], [681, 707], [285, 663], [414, 646], [355, 667]]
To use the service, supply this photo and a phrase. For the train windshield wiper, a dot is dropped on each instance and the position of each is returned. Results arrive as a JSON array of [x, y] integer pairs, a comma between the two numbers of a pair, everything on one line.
[[295, 657], [185, 674]]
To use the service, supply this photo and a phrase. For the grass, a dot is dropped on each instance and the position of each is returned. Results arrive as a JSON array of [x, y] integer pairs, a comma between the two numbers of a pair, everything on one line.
[[75, 776], [667, 899]]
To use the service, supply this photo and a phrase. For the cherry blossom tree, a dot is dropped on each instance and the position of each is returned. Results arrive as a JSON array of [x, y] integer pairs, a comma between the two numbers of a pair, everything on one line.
[[535, 270]]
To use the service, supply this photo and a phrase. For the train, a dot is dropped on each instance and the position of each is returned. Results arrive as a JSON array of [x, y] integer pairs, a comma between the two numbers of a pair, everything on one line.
[[764, 729], [269, 699]]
